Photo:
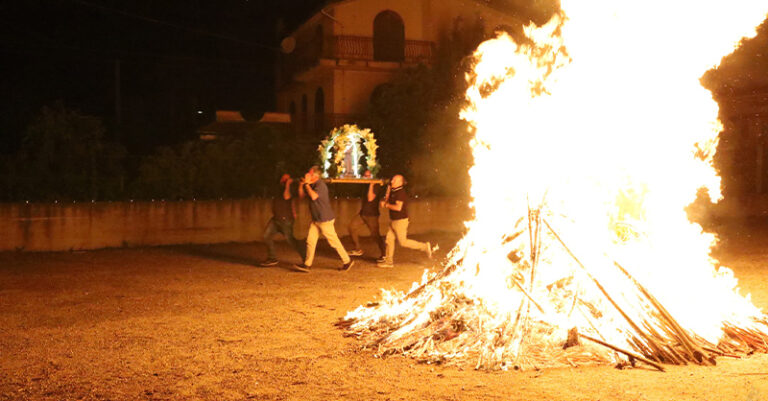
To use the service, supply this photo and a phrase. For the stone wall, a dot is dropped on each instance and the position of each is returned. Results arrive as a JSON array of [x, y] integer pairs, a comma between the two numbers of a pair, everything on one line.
[[81, 226]]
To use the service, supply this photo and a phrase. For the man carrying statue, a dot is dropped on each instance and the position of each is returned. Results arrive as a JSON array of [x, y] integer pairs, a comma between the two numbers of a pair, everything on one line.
[[283, 216], [396, 200], [323, 219], [368, 217]]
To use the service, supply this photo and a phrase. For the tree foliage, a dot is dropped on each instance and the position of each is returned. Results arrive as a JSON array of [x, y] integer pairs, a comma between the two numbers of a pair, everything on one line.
[[416, 117], [232, 167], [64, 156]]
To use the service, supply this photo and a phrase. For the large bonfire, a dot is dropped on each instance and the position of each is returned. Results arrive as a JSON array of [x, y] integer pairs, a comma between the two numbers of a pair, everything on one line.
[[590, 138]]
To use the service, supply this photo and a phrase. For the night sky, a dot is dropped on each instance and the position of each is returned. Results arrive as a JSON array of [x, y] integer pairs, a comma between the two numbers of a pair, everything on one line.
[[175, 57]]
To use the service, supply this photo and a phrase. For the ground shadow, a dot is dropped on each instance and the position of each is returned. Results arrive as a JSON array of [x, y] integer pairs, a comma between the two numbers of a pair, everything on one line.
[[240, 254], [252, 253]]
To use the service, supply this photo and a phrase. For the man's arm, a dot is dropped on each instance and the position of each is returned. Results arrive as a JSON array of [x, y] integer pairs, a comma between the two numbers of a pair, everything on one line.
[[385, 200], [398, 206], [287, 190], [371, 192], [311, 192], [301, 189]]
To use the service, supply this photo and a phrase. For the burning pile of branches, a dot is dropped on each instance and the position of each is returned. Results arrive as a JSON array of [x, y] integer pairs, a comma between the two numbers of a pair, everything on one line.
[[580, 250], [622, 323]]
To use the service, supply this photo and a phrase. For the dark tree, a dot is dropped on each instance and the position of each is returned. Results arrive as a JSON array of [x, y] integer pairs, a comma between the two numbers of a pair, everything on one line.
[[231, 167], [64, 156], [416, 117]]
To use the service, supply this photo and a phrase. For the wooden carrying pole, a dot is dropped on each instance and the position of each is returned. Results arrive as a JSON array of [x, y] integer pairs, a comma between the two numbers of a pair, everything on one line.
[[354, 181]]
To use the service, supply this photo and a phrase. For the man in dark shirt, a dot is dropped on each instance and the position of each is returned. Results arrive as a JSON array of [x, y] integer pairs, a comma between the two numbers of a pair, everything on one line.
[[397, 202], [323, 219], [368, 217], [281, 222]]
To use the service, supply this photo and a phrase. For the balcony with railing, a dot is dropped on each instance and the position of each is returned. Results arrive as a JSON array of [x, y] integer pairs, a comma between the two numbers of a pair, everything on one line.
[[355, 48], [362, 48]]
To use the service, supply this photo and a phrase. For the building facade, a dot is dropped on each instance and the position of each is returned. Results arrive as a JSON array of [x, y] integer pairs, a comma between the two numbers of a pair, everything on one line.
[[332, 64]]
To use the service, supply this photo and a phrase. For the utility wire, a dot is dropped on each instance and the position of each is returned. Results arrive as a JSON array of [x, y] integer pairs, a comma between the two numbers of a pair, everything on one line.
[[173, 25]]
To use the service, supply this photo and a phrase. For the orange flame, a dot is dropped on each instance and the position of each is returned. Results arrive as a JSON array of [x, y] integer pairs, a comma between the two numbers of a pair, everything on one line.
[[589, 141]]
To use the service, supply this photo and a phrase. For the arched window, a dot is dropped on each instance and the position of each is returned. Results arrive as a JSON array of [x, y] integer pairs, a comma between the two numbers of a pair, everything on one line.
[[388, 37], [304, 114], [319, 110]]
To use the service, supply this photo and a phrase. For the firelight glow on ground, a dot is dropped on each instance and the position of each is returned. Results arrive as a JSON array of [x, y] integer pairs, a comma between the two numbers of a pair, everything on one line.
[[590, 137]]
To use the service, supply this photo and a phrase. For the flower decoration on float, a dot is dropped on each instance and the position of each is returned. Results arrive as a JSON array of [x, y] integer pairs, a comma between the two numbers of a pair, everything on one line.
[[348, 141]]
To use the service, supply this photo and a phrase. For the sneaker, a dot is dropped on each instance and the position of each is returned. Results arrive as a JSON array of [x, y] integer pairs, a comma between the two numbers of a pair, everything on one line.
[[355, 252], [302, 267], [385, 264], [381, 259], [347, 265], [268, 263]]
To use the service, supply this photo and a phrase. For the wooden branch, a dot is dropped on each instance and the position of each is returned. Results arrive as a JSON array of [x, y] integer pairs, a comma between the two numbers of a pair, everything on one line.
[[625, 352], [697, 353], [530, 297]]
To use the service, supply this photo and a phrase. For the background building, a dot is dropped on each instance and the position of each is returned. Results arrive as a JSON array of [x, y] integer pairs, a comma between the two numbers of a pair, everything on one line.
[[334, 62]]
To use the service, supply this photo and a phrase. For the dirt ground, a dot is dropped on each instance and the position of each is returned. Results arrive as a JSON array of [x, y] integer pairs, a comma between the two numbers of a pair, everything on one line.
[[202, 322]]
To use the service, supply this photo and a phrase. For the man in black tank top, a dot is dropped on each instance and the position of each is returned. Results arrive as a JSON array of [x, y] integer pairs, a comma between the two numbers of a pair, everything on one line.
[[396, 201], [368, 217], [281, 222]]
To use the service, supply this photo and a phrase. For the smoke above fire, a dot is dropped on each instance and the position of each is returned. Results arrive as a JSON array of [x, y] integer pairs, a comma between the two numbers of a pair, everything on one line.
[[589, 140]]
